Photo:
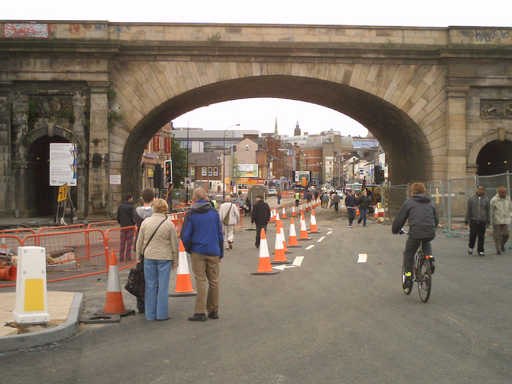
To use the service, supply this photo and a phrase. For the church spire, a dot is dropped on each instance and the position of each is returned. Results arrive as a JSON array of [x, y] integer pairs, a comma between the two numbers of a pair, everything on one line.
[[297, 130]]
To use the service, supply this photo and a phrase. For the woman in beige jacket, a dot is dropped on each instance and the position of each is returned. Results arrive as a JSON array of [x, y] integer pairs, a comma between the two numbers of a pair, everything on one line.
[[159, 253]]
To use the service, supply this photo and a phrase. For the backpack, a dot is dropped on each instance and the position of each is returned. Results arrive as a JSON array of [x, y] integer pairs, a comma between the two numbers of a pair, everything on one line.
[[225, 219]]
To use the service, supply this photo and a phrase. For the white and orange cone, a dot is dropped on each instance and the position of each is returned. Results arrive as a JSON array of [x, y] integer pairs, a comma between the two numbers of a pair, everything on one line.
[[183, 281], [279, 256], [283, 237], [303, 231], [292, 238], [264, 265], [273, 216], [294, 213], [283, 215], [114, 301], [313, 228]]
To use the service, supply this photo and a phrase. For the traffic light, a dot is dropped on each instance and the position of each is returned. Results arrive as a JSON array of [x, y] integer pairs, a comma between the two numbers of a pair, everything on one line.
[[168, 170], [379, 174]]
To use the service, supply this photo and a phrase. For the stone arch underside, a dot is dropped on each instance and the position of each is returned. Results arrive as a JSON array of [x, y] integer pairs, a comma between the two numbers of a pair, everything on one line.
[[402, 105]]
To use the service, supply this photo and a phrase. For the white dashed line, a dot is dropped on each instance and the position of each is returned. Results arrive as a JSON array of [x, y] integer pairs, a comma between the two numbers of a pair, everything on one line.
[[320, 239], [298, 261], [329, 233], [309, 247], [363, 258]]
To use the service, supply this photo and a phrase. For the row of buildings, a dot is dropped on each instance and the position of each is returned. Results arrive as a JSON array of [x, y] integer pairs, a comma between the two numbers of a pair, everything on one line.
[[234, 159]]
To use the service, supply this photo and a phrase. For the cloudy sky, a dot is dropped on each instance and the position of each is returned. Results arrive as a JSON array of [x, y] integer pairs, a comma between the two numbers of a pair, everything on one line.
[[261, 113]]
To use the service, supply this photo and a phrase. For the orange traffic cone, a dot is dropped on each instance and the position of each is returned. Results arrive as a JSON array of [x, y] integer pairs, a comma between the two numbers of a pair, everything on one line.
[[273, 216], [303, 231], [292, 238], [183, 280], [264, 265], [279, 256], [294, 214], [114, 300], [283, 237], [313, 227], [283, 216]]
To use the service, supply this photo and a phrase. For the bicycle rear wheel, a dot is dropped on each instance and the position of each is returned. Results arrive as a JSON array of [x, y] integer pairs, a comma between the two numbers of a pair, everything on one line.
[[424, 280]]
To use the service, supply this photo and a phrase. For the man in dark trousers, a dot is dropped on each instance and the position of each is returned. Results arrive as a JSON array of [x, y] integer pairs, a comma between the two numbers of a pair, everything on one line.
[[478, 217], [125, 218], [260, 216]]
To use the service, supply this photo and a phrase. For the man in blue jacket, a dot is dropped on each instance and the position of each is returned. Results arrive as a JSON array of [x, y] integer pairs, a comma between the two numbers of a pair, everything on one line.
[[202, 238]]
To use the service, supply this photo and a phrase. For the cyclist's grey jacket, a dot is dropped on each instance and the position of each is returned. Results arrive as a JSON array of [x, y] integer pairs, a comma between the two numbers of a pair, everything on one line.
[[478, 209], [421, 213]]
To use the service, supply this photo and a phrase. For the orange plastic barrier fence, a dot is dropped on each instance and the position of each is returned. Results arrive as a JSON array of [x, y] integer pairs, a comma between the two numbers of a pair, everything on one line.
[[58, 228], [122, 241], [18, 231], [10, 242], [109, 223]]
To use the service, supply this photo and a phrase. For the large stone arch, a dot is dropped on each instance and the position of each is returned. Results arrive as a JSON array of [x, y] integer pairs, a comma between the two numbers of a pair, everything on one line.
[[477, 145], [403, 105]]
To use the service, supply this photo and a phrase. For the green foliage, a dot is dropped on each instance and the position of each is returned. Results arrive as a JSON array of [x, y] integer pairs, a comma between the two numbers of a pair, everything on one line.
[[179, 163]]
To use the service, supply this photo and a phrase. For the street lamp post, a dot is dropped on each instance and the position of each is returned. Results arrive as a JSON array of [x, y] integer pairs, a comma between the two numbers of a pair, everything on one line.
[[224, 160]]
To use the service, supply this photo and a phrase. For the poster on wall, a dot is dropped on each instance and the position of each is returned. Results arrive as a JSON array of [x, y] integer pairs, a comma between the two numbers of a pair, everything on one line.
[[63, 164], [248, 170]]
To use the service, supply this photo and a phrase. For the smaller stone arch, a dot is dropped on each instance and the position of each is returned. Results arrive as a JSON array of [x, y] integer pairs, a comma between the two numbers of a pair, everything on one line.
[[31, 137], [486, 138]]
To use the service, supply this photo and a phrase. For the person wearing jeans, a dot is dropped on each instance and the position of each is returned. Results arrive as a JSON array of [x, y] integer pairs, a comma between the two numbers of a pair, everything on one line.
[[363, 208], [125, 218], [157, 245]]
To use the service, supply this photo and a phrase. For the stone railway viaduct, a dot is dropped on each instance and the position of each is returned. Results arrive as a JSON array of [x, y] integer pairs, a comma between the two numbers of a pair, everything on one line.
[[433, 97]]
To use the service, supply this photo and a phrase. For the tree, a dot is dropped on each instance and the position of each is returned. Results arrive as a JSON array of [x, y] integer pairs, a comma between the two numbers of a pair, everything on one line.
[[179, 163]]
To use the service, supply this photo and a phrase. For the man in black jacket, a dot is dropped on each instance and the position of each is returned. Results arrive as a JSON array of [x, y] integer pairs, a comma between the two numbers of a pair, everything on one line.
[[260, 216], [363, 203], [125, 218], [421, 214]]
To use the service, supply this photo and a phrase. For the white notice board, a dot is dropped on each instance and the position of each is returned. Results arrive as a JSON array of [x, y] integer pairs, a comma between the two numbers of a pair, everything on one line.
[[63, 164]]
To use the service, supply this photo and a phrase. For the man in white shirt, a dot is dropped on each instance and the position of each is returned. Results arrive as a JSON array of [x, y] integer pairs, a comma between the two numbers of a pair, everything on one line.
[[230, 216]]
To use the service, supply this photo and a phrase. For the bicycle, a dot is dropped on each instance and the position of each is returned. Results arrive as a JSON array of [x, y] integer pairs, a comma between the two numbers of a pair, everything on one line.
[[422, 271]]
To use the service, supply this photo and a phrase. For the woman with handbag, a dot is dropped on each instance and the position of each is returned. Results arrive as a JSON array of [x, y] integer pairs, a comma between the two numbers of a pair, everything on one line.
[[157, 245]]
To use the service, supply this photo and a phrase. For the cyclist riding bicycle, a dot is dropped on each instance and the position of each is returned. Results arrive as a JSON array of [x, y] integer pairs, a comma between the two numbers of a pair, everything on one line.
[[421, 215]]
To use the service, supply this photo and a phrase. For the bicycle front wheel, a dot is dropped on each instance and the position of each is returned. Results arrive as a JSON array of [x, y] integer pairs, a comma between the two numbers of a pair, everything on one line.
[[424, 280]]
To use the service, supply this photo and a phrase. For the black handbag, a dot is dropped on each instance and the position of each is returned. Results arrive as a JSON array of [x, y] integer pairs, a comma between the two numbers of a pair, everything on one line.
[[136, 284]]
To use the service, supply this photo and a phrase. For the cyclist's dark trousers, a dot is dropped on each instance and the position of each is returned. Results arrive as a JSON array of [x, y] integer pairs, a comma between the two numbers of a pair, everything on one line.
[[297, 203], [336, 207], [411, 246], [477, 228]]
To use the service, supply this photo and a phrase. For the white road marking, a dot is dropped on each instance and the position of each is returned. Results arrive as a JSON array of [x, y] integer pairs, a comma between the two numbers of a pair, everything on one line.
[[363, 258], [309, 247], [320, 239], [298, 261], [329, 233], [283, 267], [330, 229]]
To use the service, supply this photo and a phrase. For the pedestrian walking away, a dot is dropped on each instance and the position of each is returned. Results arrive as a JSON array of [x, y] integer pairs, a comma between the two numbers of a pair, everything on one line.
[[126, 218], [157, 247], [335, 201], [363, 203], [278, 197], [420, 213], [230, 216], [350, 203], [168, 196], [297, 199], [325, 200], [260, 216], [202, 238], [478, 217], [501, 212]]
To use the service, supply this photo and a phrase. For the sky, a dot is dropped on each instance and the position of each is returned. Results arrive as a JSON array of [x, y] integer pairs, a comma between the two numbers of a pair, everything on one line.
[[260, 114]]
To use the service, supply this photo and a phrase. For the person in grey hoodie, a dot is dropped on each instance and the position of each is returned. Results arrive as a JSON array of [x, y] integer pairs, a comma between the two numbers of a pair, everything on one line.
[[501, 211], [421, 214], [478, 217]]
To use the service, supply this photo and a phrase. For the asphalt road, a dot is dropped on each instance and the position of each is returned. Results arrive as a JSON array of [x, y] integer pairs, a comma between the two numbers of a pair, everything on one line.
[[332, 320]]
